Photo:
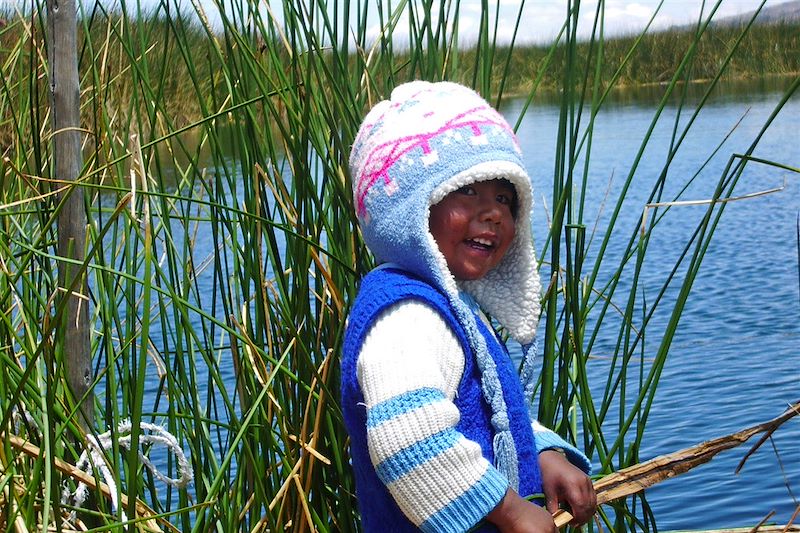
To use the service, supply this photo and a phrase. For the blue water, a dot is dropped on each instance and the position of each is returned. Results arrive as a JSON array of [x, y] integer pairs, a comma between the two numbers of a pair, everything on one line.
[[734, 359]]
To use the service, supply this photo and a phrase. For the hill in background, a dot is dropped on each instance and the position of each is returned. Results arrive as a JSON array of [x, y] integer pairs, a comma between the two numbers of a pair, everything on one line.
[[787, 12]]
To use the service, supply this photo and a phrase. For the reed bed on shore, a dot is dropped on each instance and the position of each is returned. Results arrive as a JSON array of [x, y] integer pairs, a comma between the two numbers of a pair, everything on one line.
[[764, 50], [222, 253]]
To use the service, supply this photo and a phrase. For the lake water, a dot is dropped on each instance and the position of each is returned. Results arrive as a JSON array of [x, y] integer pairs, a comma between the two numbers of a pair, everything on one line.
[[734, 360]]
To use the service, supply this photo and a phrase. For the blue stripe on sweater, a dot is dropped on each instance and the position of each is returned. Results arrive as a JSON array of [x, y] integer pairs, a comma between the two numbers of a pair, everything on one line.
[[470, 507], [402, 403], [407, 459], [547, 439]]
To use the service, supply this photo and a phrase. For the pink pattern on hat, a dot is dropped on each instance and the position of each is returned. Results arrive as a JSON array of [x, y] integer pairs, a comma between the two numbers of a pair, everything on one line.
[[383, 156]]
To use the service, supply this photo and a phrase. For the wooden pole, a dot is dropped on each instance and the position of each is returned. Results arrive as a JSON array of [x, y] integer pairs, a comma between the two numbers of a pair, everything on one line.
[[65, 102]]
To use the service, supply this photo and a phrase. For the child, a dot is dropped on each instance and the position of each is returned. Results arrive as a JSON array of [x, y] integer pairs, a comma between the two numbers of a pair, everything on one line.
[[441, 437]]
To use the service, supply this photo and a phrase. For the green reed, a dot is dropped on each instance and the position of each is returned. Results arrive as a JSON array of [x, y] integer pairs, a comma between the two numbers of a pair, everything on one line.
[[233, 346]]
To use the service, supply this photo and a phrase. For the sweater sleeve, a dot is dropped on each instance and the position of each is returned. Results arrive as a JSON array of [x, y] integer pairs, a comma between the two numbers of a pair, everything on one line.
[[409, 369], [547, 439]]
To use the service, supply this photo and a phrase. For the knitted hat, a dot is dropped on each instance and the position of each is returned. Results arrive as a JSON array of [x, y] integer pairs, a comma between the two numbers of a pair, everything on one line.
[[426, 141]]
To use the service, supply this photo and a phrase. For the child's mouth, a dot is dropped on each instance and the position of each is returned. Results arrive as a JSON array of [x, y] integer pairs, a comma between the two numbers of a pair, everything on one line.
[[480, 243]]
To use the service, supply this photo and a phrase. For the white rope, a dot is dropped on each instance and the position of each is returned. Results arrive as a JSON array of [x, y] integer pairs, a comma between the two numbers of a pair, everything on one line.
[[94, 457]]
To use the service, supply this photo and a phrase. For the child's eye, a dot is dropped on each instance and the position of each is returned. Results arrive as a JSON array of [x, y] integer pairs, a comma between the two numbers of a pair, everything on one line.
[[505, 199], [468, 190]]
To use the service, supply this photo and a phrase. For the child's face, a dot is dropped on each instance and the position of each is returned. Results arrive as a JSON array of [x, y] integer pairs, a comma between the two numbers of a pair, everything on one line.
[[474, 226]]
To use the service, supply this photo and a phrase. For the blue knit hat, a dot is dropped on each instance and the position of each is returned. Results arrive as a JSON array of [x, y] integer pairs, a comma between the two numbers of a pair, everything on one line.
[[426, 141]]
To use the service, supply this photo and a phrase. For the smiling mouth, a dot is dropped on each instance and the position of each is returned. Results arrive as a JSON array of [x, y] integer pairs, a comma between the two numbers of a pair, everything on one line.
[[481, 243]]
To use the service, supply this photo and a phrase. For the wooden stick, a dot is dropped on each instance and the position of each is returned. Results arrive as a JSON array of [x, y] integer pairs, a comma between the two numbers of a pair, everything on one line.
[[640, 476], [90, 481], [67, 155]]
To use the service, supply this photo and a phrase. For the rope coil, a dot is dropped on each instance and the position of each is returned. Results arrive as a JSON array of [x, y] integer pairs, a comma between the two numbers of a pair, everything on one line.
[[94, 457]]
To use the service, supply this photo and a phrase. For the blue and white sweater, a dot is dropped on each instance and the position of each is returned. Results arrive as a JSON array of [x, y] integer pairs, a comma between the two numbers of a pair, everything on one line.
[[420, 428]]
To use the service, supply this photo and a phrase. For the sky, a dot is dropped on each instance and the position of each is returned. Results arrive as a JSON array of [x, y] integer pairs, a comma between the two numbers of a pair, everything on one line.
[[542, 19]]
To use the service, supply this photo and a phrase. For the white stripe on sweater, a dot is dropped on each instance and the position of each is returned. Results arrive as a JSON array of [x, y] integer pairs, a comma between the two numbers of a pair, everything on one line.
[[404, 430], [409, 347], [430, 488]]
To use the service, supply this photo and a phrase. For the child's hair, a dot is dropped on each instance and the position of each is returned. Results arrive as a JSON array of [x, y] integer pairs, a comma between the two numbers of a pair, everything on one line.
[[426, 141], [514, 207]]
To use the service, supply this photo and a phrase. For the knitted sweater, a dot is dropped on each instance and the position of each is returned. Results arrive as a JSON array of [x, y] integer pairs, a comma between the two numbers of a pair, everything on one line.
[[427, 431]]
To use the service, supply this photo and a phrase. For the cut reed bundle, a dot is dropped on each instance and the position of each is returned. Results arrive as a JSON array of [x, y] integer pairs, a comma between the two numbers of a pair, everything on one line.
[[636, 478]]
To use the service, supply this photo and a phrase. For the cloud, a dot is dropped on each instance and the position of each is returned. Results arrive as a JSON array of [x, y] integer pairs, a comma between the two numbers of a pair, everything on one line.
[[627, 16]]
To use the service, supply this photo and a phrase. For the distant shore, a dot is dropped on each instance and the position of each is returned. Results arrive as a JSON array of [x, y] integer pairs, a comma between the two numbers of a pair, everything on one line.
[[766, 50]]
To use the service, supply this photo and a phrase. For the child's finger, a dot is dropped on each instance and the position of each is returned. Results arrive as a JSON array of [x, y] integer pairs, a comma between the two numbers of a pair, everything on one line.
[[552, 505], [583, 504]]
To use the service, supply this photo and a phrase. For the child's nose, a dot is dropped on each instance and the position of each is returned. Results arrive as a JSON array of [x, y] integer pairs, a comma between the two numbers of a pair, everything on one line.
[[491, 210]]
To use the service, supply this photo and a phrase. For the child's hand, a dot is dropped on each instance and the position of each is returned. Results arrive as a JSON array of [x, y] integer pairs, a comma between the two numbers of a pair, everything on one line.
[[514, 514], [562, 482]]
